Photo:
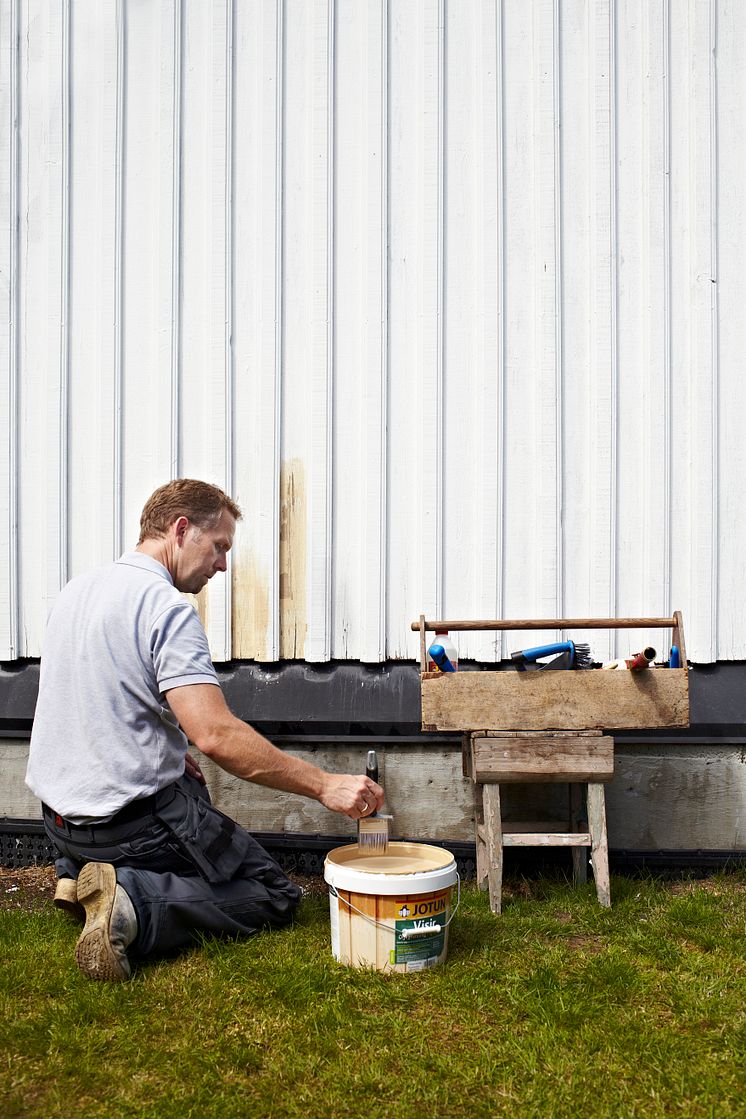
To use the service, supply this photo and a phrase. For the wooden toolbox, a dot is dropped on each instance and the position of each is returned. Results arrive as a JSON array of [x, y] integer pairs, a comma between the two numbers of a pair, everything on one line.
[[582, 699]]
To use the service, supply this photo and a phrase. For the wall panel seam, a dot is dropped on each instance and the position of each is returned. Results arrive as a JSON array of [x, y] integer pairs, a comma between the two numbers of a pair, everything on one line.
[[119, 161], [330, 308], [274, 611], [64, 370], [559, 464], [440, 312], [667, 310], [176, 206], [229, 373], [229, 245], [384, 342], [714, 330], [14, 295], [501, 332], [614, 322]]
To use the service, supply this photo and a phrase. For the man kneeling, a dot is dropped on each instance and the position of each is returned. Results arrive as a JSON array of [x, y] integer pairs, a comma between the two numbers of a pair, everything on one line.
[[126, 681]]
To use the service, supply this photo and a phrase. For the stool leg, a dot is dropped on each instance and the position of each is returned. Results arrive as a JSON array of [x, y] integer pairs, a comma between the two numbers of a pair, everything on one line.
[[599, 842], [493, 834], [482, 858], [579, 854]]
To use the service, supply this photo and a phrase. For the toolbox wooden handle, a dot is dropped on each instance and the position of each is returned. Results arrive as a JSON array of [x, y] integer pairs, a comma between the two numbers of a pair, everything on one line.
[[553, 623], [675, 623]]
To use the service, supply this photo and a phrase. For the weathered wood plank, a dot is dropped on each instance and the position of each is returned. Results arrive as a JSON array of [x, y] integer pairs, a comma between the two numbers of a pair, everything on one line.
[[600, 842], [457, 701], [533, 734], [546, 839], [560, 757], [493, 844]]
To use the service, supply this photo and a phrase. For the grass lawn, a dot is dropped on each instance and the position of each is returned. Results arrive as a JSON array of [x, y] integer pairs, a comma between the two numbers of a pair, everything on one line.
[[556, 1009]]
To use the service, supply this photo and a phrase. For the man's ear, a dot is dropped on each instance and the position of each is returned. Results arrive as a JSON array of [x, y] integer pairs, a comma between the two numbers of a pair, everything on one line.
[[180, 528]]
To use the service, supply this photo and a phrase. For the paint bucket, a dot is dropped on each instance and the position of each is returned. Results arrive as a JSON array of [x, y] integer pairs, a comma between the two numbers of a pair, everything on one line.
[[391, 911]]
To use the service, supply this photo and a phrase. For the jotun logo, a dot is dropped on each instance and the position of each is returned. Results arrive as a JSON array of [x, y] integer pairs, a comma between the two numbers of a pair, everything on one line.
[[426, 908]]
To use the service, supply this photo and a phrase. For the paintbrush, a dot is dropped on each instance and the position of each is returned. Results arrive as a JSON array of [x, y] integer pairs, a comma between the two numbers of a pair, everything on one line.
[[373, 831]]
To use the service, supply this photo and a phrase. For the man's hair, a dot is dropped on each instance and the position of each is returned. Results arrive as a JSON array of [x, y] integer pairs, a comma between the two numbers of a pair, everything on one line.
[[201, 502]]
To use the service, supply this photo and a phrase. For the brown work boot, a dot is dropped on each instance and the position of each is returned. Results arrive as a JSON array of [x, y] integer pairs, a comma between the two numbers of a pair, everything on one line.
[[110, 924], [66, 899]]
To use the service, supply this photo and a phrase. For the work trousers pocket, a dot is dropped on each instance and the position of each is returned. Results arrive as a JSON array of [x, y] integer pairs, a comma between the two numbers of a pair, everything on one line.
[[215, 844]]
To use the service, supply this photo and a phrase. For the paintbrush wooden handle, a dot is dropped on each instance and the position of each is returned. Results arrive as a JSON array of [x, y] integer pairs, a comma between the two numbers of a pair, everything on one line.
[[371, 766]]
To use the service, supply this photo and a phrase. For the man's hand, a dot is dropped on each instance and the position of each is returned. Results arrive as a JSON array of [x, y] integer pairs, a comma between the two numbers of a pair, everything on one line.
[[192, 769], [353, 796]]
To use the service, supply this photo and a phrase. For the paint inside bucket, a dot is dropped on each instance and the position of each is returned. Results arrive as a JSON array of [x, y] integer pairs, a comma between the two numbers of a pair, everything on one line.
[[391, 911]]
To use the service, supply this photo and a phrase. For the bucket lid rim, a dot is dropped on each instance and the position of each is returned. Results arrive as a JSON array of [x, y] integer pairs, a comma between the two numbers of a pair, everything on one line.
[[355, 863]]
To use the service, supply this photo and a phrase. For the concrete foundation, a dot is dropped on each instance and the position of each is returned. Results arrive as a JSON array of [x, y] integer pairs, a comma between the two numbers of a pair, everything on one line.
[[675, 797]]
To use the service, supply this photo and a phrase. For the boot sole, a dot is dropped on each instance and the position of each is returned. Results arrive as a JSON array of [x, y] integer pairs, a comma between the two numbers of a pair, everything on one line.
[[94, 954]]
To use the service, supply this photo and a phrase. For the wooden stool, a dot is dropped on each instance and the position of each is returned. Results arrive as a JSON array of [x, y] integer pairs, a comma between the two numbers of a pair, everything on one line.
[[501, 757]]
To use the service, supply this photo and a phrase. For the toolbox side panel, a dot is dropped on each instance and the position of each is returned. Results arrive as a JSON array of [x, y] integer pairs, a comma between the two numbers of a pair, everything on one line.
[[554, 700]]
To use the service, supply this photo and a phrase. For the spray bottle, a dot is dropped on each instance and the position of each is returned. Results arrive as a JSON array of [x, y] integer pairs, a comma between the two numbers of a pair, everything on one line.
[[442, 655]]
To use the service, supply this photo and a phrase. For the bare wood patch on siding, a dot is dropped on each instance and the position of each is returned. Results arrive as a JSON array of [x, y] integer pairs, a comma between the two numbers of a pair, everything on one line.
[[293, 527], [250, 621], [201, 603]]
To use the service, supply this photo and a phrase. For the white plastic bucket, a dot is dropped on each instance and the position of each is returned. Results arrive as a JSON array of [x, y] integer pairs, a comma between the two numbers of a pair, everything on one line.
[[391, 911]]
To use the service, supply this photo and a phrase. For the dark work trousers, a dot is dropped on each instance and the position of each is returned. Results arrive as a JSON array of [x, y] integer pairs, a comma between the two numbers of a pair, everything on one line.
[[187, 868]]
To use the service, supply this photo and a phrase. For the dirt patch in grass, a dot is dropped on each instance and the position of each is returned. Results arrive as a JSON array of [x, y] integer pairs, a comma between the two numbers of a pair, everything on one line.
[[31, 888], [714, 886], [27, 888], [585, 943]]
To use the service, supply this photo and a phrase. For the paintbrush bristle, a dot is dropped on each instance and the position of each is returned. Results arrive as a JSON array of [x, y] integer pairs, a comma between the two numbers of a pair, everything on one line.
[[373, 834], [373, 841]]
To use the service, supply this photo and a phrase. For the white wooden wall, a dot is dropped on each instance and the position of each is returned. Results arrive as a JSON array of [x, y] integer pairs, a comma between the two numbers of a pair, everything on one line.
[[450, 294]]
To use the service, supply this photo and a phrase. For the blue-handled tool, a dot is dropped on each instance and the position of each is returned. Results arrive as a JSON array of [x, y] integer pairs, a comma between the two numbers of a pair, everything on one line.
[[568, 653], [441, 658]]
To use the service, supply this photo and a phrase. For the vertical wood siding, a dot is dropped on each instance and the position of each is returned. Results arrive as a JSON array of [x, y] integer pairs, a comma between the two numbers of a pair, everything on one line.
[[448, 294]]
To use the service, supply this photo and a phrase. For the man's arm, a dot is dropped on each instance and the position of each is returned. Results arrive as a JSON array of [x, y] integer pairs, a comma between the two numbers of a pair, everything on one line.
[[208, 722]]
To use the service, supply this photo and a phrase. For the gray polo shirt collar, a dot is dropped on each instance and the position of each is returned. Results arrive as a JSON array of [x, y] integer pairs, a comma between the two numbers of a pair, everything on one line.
[[146, 563]]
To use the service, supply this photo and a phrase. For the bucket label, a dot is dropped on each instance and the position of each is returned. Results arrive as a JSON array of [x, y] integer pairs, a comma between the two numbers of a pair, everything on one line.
[[416, 941]]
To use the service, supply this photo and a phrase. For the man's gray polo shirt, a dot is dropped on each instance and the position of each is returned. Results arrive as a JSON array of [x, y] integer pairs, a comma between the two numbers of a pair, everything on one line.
[[103, 735]]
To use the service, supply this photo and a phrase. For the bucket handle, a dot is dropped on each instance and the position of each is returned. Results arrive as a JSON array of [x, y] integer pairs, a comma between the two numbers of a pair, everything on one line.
[[378, 925]]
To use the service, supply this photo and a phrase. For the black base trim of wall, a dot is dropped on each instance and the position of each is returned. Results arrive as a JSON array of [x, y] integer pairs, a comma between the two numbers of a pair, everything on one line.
[[24, 843], [297, 699]]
